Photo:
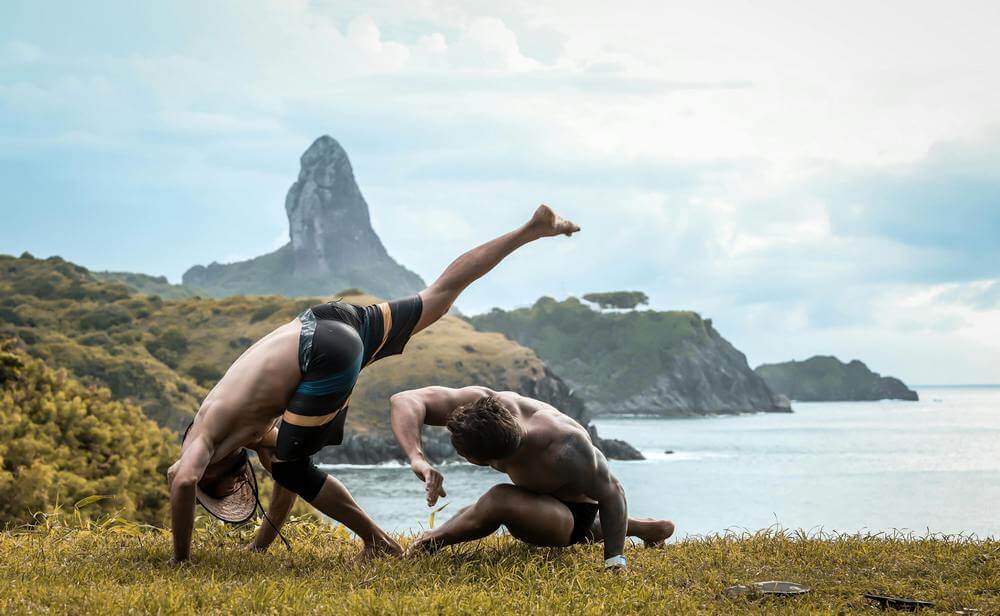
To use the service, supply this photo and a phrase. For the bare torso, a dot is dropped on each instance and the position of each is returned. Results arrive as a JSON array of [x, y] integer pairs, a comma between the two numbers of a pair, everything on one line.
[[244, 404], [547, 431]]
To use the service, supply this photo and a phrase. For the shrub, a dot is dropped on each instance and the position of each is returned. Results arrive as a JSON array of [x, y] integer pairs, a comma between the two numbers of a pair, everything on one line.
[[105, 317], [204, 373], [264, 312], [60, 440], [168, 346]]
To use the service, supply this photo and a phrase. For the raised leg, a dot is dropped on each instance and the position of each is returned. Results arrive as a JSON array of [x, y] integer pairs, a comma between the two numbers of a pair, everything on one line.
[[532, 518], [652, 532], [441, 294]]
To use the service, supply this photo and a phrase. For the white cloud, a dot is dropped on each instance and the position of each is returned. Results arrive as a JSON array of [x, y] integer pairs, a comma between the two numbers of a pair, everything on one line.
[[366, 37], [489, 44]]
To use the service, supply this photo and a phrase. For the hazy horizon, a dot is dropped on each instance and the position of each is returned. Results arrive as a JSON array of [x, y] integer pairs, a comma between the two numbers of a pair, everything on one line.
[[816, 179]]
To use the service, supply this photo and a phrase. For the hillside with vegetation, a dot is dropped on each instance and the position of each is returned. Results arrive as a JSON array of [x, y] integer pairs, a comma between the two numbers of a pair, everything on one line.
[[146, 285], [66, 568], [62, 441], [824, 378], [164, 355], [640, 361]]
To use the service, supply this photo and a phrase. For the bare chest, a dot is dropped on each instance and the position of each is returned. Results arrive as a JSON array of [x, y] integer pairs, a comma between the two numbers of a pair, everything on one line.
[[540, 480]]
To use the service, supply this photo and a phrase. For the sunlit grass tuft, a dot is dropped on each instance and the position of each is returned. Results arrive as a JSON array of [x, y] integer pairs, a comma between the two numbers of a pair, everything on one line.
[[66, 563]]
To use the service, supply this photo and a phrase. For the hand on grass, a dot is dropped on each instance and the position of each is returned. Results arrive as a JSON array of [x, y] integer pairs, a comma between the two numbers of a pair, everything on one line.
[[422, 545]]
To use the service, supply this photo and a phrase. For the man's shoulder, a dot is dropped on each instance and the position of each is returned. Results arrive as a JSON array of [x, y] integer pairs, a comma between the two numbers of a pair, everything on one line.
[[569, 447]]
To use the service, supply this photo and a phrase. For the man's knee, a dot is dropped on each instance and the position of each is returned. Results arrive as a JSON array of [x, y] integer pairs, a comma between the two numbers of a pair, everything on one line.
[[496, 500], [300, 476], [437, 300]]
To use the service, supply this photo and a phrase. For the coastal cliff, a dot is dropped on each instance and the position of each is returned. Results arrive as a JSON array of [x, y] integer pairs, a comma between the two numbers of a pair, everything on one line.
[[826, 379], [642, 362]]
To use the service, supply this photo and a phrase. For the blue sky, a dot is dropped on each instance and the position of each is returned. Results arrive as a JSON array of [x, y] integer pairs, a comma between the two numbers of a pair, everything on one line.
[[816, 177]]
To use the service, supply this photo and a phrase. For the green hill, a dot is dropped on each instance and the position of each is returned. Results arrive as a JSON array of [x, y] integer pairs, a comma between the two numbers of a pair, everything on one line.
[[645, 362], [824, 378], [165, 354], [61, 441], [147, 285]]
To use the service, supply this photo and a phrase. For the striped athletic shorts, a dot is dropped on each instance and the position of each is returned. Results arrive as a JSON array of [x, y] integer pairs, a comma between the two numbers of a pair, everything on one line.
[[337, 341]]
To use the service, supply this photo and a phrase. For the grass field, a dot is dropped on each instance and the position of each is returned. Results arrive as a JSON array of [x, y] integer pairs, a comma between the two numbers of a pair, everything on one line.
[[112, 567]]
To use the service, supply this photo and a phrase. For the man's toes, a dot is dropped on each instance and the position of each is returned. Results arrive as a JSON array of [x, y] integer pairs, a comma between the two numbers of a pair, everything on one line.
[[567, 227]]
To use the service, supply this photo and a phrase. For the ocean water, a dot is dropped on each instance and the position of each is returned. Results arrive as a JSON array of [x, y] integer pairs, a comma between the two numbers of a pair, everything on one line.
[[928, 466]]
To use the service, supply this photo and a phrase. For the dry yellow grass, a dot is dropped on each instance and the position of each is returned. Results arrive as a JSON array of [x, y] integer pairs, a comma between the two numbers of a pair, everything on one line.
[[111, 567]]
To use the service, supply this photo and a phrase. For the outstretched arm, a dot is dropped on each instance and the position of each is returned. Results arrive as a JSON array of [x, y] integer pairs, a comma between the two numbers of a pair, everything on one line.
[[182, 478], [441, 294], [411, 410]]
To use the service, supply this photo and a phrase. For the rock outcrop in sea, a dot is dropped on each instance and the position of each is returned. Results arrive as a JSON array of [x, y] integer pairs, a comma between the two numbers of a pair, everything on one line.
[[825, 378], [332, 243]]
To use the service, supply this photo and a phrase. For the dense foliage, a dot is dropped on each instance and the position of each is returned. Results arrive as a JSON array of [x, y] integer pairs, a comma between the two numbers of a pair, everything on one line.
[[618, 299], [117, 570], [61, 441], [605, 355], [825, 378]]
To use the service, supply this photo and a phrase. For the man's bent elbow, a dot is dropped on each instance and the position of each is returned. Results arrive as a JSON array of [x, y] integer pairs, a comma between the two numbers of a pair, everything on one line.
[[400, 397]]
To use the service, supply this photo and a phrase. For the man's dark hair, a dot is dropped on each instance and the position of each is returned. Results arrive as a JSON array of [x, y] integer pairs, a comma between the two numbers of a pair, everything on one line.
[[484, 430]]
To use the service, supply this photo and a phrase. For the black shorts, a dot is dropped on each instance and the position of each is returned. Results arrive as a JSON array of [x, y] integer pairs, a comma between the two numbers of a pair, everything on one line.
[[337, 341], [584, 515]]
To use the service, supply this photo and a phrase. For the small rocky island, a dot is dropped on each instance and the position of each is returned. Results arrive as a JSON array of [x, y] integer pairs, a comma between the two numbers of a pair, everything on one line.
[[825, 378]]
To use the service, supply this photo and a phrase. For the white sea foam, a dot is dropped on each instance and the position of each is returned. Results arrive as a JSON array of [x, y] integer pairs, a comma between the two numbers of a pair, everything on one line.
[[677, 456]]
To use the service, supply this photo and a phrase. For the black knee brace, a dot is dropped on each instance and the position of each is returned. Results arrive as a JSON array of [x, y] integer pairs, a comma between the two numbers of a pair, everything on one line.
[[300, 476]]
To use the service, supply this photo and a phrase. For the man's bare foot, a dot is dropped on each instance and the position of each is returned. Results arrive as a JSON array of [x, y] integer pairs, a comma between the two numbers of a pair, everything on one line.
[[424, 544], [547, 223], [656, 532], [385, 547]]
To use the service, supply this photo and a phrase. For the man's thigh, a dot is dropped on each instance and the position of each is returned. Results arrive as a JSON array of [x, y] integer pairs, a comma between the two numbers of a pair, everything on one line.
[[536, 518]]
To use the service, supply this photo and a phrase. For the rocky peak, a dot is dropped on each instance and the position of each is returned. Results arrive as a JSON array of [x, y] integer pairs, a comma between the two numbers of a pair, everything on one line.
[[328, 221], [333, 245]]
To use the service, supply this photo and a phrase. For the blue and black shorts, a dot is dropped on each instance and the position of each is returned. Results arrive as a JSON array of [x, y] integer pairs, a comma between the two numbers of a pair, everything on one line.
[[338, 340]]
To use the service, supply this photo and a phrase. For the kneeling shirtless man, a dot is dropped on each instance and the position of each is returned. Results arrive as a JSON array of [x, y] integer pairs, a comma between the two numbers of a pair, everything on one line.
[[561, 480]]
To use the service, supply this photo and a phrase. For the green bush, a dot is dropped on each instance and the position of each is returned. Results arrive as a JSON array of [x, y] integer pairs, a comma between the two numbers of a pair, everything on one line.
[[264, 312], [169, 346], [204, 373], [106, 317], [61, 441]]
